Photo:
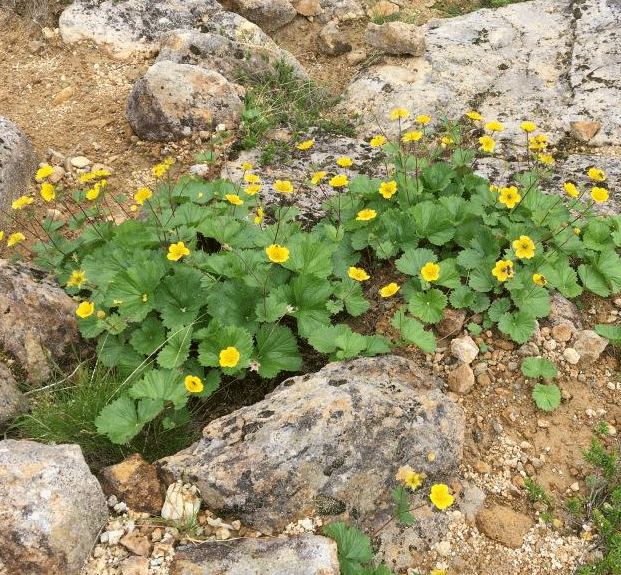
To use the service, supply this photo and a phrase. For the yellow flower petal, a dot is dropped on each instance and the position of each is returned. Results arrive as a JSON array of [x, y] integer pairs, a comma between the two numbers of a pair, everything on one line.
[[229, 357], [277, 253], [430, 272], [357, 274]]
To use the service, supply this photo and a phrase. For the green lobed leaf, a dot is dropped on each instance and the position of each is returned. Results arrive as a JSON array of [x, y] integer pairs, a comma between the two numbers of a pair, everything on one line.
[[233, 302], [163, 385], [520, 325], [498, 308], [449, 276], [546, 397], [431, 221], [148, 336], [538, 367], [215, 337], [121, 420], [402, 505], [413, 331], [428, 306], [177, 348], [462, 296], [610, 332], [180, 297], [309, 255], [354, 547], [482, 280], [535, 300], [277, 350], [413, 260]]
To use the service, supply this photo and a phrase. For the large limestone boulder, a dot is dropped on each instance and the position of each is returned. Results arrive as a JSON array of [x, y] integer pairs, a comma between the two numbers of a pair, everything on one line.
[[51, 508], [18, 164], [173, 100], [328, 443], [544, 61], [267, 14], [122, 28], [37, 320]]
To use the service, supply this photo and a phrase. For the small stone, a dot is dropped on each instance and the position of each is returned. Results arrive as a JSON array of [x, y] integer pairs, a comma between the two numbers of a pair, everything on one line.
[[134, 565], [504, 525], [575, 486], [62, 96], [589, 345], [464, 349], [584, 131], [307, 7], [34, 47], [236, 525], [330, 40], [543, 423], [396, 38], [461, 379], [112, 537], [181, 502], [482, 467], [444, 548], [222, 533], [356, 57], [563, 331], [80, 162], [452, 322], [571, 355], [137, 544], [518, 481], [484, 380], [382, 9]]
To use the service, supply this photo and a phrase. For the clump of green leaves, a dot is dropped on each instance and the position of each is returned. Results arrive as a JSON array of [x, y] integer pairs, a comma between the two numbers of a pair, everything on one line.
[[546, 397], [602, 506]]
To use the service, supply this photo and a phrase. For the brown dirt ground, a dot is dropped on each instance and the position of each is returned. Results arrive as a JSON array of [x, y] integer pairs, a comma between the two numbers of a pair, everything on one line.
[[36, 66]]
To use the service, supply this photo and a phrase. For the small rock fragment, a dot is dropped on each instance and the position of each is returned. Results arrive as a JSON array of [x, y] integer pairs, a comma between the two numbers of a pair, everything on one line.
[[589, 345], [396, 38], [571, 355], [461, 379], [331, 40], [504, 525], [464, 349], [62, 96], [452, 322], [584, 131], [563, 331]]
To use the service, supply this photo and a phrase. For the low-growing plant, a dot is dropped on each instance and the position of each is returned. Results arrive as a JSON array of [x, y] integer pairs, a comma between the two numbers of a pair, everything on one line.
[[546, 397], [211, 282]]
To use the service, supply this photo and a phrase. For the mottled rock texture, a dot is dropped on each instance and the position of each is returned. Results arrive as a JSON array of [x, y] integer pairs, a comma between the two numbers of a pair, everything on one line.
[[268, 14], [299, 555], [325, 443], [37, 320], [12, 401], [51, 508], [18, 164]]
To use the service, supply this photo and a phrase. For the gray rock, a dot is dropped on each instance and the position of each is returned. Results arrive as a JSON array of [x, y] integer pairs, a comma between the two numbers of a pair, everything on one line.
[[589, 345], [18, 164], [51, 507], [340, 10], [338, 435], [545, 61], [231, 58], [563, 311], [122, 28], [299, 555], [331, 41], [37, 320], [12, 401], [269, 15], [396, 38], [173, 100]]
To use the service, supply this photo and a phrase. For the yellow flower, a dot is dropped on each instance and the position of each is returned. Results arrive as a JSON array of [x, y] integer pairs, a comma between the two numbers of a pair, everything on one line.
[[317, 177], [1, 235], [118, 302], [276, 253], [437, 571], [101, 314], [22, 201], [145, 298], [524, 247], [378, 141], [446, 141], [306, 144], [251, 178], [193, 383], [133, 208], [246, 166], [596, 174], [528, 126], [474, 116], [259, 217], [85, 309], [411, 137], [89, 176], [398, 113], [509, 196], [389, 290], [160, 169], [283, 186], [487, 144], [357, 274], [423, 119], [234, 199], [545, 158], [47, 192], [177, 251], [503, 270], [430, 272], [252, 189], [493, 189], [339, 181], [494, 126], [77, 278], [577, 231], [599, 195], [539, 279], [344, 162], [15, 238], [388, 189], [366, 215], [169, 161], [44, 171], [93, 193], [440, 496], [229, 357], [141, 195], [409, 477], [571, 189]]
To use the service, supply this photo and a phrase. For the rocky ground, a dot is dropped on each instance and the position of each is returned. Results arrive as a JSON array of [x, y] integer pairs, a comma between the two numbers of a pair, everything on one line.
[[70, 100]]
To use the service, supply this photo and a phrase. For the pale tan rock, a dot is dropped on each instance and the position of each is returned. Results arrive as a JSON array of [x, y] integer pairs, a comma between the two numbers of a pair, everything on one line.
[[589, 346], [331, 41], [562, 332], [12, 401], [504, 525], [584, 131], [382, 9], [307, 7], [464, 349], [137, 544], [181, 502], [134, 566], [62, 96], [451, 323], [356, 57], [269, 15]]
